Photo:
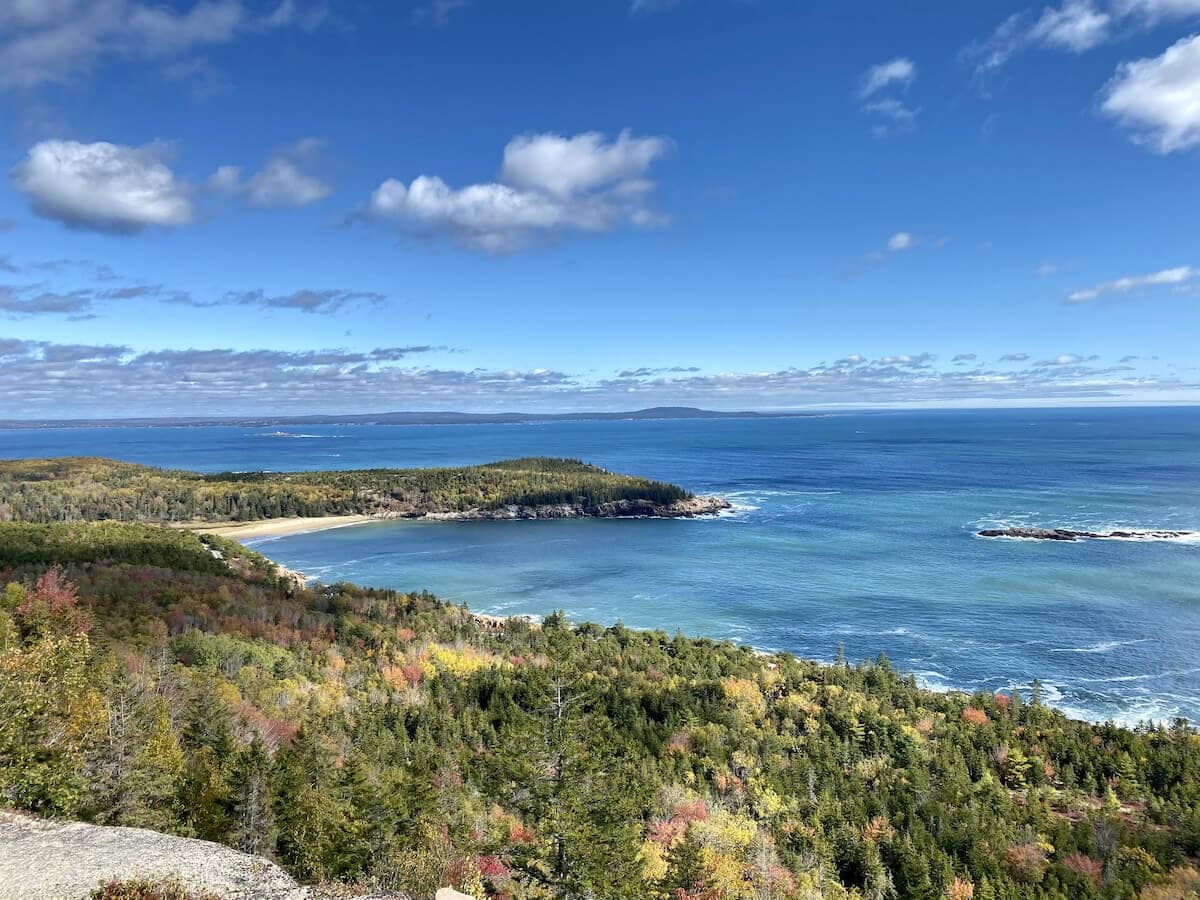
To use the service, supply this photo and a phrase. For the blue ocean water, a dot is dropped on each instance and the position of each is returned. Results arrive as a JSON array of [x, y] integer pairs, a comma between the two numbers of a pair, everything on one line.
[[848, 529]]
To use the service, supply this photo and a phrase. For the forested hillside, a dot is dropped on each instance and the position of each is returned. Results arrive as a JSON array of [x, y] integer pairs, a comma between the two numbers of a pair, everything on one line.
[[385, 738], [71, 489]]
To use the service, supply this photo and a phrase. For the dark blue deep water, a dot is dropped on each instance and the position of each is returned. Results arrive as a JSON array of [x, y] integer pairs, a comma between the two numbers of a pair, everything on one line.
[[849, 529]]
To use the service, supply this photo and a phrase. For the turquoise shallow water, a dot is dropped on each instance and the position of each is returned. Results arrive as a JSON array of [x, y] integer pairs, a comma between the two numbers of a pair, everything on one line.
[[855, 529]]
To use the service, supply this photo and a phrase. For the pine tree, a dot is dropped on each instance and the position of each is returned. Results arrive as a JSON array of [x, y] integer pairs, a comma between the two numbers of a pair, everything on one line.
[[251, 789]]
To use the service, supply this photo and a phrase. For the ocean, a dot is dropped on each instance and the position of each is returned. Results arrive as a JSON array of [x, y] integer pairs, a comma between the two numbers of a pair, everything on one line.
[[854, 530]]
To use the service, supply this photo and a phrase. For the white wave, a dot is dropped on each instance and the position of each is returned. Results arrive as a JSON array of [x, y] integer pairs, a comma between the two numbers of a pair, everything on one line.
[[932, 680], [290, 434], [1150, 677], [1102, 647], [755, 493]]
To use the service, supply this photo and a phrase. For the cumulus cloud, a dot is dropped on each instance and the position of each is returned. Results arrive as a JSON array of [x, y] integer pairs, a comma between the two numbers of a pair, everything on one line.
[[103, 186], [281, 182], [58, 40], [1177, 277], [549, 185], [1158, 98]]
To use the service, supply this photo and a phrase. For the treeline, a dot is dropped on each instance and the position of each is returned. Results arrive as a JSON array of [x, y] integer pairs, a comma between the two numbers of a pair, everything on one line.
[[73, 489], [388, 739]]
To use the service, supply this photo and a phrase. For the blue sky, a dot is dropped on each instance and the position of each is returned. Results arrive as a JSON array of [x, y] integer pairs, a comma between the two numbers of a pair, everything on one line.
[[232, 207]]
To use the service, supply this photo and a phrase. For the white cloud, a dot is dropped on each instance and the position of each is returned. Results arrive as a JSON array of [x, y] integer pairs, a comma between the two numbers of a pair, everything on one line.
[[227, 179], [1159, 97], [1178, 276], [1158, 10], [1046, 269], [549, 184], [282, 180], [41, 379], [57, 40], [899, 71], [899, 242], [890, 113], [1074, 25], [565, 166], [281, 183], [915, 360], [102, 186], [1077, 25]]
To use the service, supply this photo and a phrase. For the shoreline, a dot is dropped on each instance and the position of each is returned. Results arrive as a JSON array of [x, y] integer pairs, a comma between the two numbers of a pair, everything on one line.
[[694, 507], [493, 622], [267, 528]]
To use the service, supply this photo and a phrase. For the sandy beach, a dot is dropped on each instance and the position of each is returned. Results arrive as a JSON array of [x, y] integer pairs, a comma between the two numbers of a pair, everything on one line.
[[276, 527]]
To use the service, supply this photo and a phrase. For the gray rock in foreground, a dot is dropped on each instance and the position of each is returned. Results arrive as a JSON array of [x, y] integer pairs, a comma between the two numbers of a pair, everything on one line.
[[45, 860]]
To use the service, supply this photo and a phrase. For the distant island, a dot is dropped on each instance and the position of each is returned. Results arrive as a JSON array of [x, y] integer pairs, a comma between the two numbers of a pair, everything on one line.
[[69, 489], [404, 418]]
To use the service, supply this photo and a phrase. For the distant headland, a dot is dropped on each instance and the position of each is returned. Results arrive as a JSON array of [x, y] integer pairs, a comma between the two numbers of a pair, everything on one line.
[[67, 489], [405, 418]]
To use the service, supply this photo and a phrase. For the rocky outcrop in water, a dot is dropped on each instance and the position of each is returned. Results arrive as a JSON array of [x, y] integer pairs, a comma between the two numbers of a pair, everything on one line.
[[1067, 534]]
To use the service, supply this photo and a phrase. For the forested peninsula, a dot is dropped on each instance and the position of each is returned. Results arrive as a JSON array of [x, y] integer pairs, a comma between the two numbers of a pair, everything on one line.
[[159, 678], [70, 489]]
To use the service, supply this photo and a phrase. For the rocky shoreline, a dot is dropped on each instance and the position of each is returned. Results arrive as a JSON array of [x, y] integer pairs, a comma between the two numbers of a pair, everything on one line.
[[1067, 534], [689, 508]]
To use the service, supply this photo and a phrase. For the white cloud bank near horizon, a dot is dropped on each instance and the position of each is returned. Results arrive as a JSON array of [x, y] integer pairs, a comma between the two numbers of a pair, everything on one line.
[[41, 379]]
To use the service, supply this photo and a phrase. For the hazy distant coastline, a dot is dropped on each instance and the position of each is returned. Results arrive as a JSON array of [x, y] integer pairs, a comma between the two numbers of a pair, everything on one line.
[[405, 418]]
